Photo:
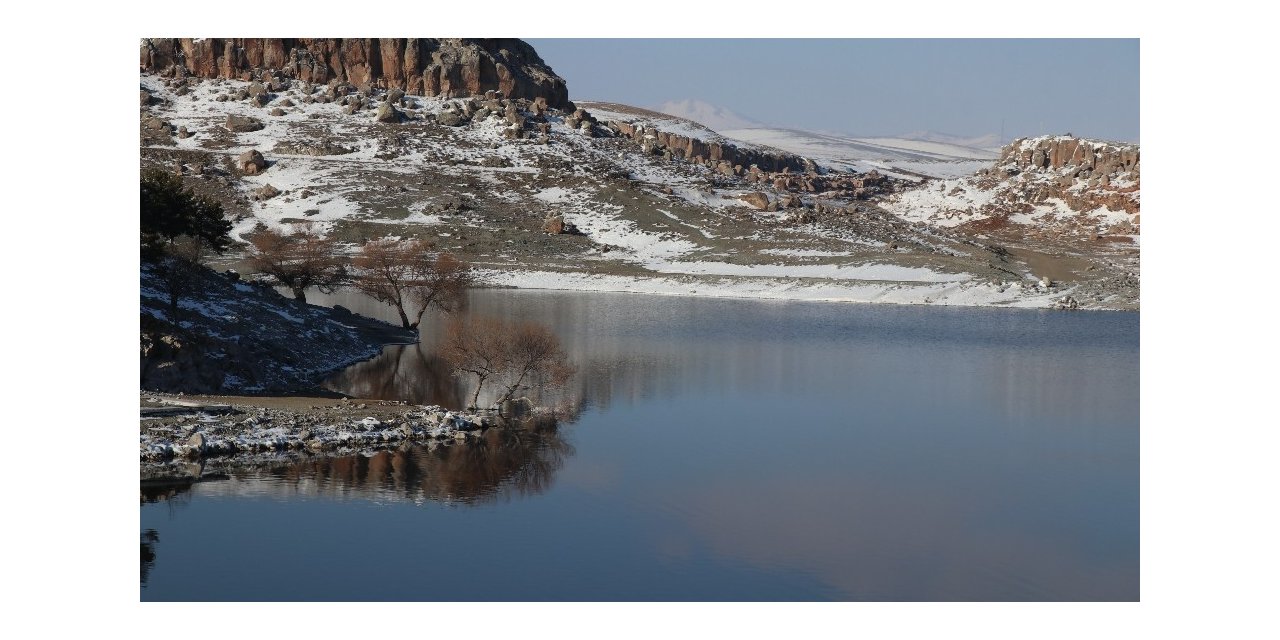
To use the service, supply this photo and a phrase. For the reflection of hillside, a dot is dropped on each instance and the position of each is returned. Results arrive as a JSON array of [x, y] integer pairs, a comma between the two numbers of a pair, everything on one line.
[[630, 349], [411, 372], [502, 463]]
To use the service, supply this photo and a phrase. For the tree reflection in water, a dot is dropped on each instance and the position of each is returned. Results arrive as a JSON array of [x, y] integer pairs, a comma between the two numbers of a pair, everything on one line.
[[502, 462], [519, 461], [149, 540]]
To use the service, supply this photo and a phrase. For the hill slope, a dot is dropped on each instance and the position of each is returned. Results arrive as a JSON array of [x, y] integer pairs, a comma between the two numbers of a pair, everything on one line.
[[662, 204]]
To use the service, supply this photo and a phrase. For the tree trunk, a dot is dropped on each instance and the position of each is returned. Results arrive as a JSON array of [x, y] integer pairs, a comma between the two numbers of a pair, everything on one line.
[[404, 318], [476, 396], [418, 321], [173, 307], [300, 294]]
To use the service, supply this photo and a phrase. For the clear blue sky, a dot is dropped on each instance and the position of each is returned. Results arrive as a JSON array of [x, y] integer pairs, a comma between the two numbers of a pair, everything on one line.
[[871, 87]]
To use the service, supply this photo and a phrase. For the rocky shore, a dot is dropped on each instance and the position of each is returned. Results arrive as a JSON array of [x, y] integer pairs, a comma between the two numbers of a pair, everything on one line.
[[175, 430]]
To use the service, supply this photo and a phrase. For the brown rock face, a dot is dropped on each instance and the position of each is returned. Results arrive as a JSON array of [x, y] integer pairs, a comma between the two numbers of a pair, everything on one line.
[[1061, 151], [450, 67], [1085, 174]]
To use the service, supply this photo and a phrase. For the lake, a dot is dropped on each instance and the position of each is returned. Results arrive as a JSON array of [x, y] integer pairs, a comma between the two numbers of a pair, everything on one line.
[[713, 449]]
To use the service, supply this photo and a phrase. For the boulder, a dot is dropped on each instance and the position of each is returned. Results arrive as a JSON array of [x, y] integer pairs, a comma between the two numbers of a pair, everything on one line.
[[1067, 303], [388, 113], [277, 111], [243, 124], [265, 192], [756, 199], [554, 225], [451, 118], [144, 98], [251, 162], [155, 125], [394, 96]]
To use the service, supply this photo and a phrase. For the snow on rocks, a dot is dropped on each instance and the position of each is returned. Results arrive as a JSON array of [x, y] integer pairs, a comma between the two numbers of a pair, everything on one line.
[[681, 219], [281, 430]]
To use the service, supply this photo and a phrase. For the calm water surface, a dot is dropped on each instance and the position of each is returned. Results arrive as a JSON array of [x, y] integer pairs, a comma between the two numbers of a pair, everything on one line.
[[716, 450]]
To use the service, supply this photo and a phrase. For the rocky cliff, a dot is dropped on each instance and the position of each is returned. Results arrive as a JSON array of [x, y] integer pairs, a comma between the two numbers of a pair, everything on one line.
[[1085, 174], [450, 67]]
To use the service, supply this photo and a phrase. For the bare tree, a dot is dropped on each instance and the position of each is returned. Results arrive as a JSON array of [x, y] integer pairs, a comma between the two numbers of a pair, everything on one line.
[[412, 278], [535, 356], [299, 259], [511, 354], [478, 346]]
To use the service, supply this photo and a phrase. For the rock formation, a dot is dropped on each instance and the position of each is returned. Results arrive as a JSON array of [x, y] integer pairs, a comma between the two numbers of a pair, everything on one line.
[[450, 67], [1085, 174], [712, 153]]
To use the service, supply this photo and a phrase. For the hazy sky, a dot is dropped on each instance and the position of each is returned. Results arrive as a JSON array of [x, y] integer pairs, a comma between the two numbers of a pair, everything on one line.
[[872, 87]]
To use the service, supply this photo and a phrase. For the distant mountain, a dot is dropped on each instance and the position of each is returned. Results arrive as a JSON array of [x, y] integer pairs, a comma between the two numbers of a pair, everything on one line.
[[918, 152], [991, 141], [920, 157], [708, 115]]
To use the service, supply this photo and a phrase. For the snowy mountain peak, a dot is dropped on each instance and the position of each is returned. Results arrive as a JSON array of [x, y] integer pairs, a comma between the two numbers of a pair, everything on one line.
[[707, 115]]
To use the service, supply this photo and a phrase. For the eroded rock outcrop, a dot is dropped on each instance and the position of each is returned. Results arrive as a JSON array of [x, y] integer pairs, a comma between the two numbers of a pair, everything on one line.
[[714, 153], [450, 67], [1085, 174]]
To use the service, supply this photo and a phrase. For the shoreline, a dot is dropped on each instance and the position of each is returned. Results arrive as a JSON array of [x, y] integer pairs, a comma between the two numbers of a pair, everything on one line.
[[199, 428], [981, 295]]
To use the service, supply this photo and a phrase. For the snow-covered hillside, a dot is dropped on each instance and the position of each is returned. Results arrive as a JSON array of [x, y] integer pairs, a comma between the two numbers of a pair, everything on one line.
[[895, 156], [1076, 186], [479, 177]]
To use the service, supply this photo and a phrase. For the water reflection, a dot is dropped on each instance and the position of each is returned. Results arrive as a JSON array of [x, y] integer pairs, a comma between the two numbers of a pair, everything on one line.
[[731, 450], [502, 463], [149, 540], [411, 372], [630, 349]]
